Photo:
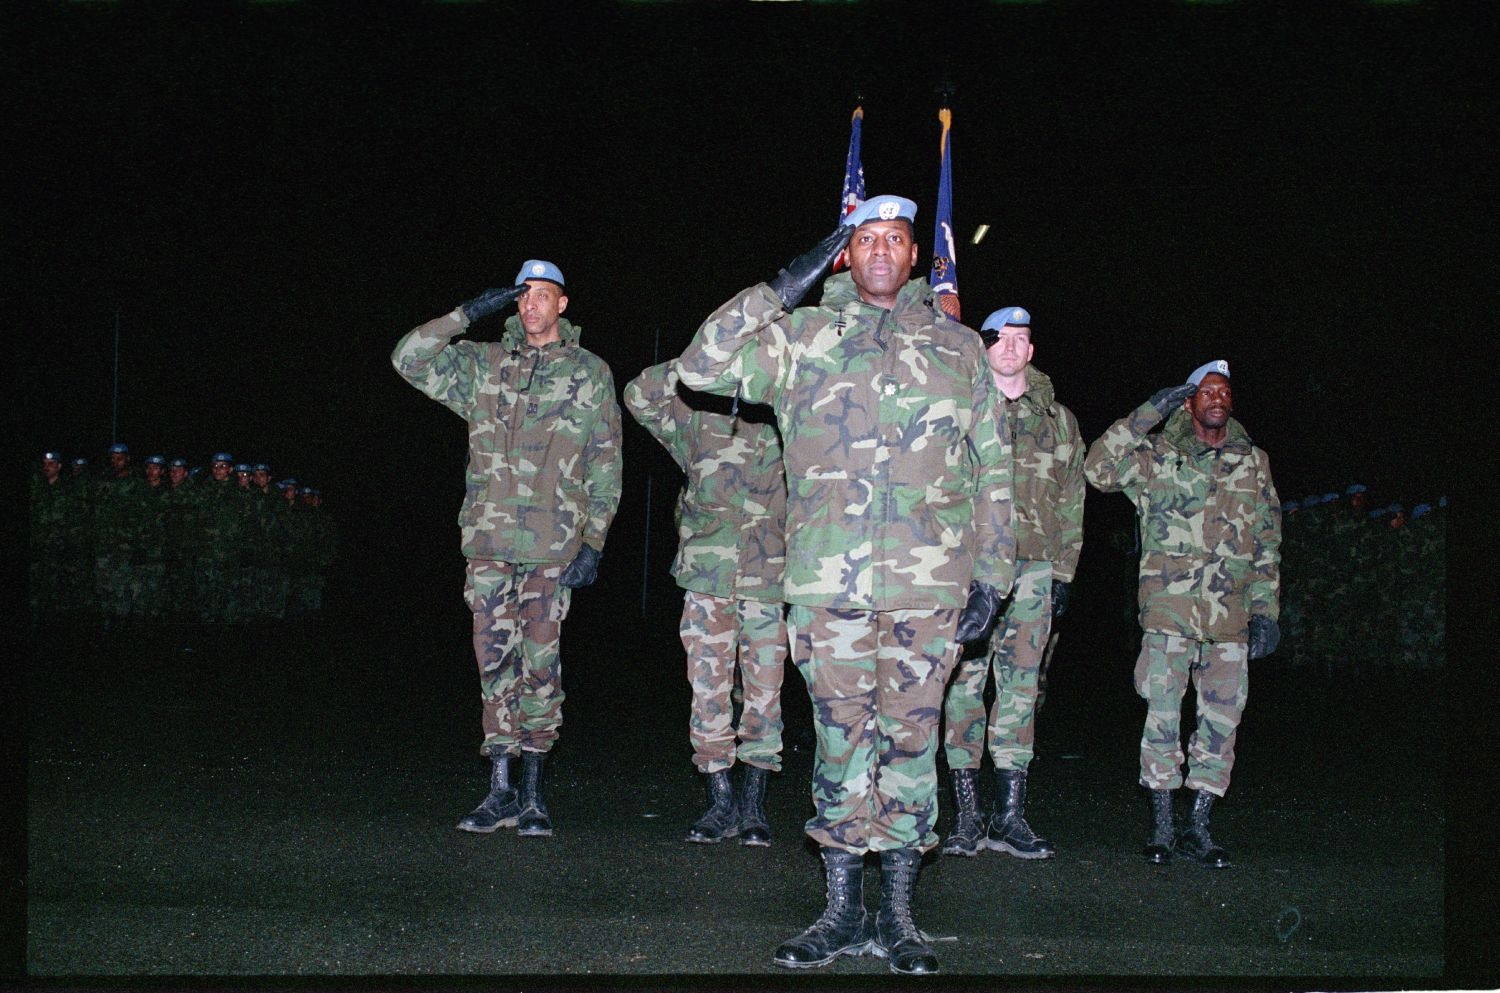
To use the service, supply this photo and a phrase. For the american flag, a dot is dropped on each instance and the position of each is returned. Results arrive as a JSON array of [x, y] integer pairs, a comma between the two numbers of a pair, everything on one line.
[[854, 179]]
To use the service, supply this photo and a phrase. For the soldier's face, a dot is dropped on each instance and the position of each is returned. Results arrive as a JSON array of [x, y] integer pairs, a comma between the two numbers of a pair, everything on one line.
[[540, 308], [118, 461], [290, 493], [1213, 403], [1011, 351], [177, 474], [51, 468], [153, 473], [221, 471], [881, 256], [242, 479], [262, 478]]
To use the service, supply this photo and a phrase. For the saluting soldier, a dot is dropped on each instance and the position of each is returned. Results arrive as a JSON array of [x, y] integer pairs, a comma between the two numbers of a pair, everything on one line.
[[542, 487], [730, 555], [1209, 588], [899, 543]]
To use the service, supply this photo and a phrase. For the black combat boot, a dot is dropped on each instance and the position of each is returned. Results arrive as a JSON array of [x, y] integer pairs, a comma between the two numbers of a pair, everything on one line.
[[967, 835], [722, 819], [1009, 831], [896, 936], [754, 830], [1163, 834], [501, 807], [534, 821], [844, 927], [1194, 841]]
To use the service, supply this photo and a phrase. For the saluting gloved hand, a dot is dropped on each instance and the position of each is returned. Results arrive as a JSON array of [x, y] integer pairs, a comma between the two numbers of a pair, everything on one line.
[[792, 283], [491, 301], [1167, 400], [1265, 635], [583, 570], [1060, 592], [979, 613]]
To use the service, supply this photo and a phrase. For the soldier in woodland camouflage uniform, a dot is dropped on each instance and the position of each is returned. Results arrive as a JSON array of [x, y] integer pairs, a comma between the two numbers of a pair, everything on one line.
[[730, 556], [150, 559], [61, 573], [899, 543], [543, 485], [119, 535], [1048, 496], [1209, 586], [180, 532], [217, 504]]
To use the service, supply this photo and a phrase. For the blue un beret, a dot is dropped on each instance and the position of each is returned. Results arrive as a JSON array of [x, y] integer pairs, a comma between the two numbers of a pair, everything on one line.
[[1013, 316], [119, 447], [882, 208], [1217, 365], [539, 269], [223, 457], [51, 456], [156, 460]]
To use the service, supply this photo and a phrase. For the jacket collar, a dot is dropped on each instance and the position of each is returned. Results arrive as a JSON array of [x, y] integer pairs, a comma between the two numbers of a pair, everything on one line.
[[515, 335]]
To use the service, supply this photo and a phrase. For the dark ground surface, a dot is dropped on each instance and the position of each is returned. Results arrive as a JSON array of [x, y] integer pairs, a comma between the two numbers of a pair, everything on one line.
[[280, 803]]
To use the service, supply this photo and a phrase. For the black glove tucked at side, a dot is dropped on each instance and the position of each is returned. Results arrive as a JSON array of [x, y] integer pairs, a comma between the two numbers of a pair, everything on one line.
[[491, 301], [1060, 592], [979, 613], [1167, 400], [1265, 635], [792, 283], [583, 570]]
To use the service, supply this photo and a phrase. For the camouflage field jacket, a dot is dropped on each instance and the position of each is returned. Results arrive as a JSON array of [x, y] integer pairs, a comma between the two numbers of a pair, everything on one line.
[[731, 511], [543, 474], [1210, 523], [1049, 489], [898, 469]]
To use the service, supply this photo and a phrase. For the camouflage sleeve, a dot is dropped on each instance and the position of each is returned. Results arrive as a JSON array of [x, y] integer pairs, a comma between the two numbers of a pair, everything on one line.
[[1265, 571], [1115, 460], [652, 400], [994, 478], [1071, 495], [424, 358], [738, 350], [601, 469]]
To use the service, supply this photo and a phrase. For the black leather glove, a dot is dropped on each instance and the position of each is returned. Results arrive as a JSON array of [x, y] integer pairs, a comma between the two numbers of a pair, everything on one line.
[[1060, 592], [979, 613], [491, 301], [792, 283], [1265, 635], [583, 570], [1167, 400]]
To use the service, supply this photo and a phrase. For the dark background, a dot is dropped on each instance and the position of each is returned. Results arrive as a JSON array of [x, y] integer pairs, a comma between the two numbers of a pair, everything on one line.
[[266, 196], [269, 195]]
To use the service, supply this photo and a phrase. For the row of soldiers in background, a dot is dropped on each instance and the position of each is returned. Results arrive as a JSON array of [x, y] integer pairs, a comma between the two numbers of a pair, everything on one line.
[[1340, 556], [162, 544]]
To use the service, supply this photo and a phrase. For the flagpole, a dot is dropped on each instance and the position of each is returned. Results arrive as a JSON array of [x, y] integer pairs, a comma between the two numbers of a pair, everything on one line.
[[646, 546], [114, 417]]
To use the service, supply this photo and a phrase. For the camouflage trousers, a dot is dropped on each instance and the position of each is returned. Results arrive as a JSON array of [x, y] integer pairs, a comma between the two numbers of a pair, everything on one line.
[[116, 585], [1221, 673], [214, 582], [518, 614], [1015, 657], [720, 635], [876, 680], [150, 597]]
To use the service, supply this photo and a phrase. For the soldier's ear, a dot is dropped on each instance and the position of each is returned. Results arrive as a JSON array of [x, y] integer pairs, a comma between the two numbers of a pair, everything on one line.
[[562, 303]]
